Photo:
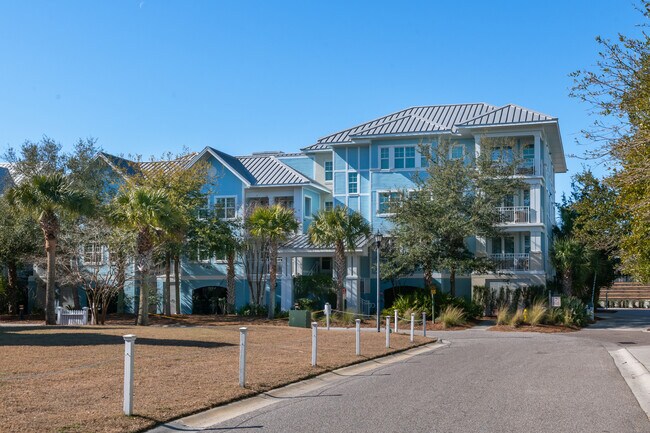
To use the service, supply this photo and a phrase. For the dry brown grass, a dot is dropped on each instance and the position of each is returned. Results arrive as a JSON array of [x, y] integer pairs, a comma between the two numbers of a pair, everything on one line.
[[70, 379]]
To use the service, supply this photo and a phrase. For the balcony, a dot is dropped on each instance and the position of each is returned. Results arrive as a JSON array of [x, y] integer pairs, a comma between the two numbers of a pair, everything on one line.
[[514, 214], [511, 261]]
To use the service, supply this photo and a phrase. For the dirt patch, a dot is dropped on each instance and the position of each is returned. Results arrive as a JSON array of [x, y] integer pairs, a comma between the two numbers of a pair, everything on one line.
[[69, 379], [546, 329]]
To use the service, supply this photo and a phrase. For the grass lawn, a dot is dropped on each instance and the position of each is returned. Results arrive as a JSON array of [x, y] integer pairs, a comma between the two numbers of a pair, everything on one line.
[[69, 379]]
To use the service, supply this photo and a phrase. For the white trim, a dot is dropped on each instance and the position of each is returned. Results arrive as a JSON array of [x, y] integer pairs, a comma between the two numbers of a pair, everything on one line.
[[214, 206], [209, 150]]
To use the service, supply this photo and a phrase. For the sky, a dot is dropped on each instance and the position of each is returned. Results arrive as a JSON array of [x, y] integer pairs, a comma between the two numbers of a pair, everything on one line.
[[150, 76]]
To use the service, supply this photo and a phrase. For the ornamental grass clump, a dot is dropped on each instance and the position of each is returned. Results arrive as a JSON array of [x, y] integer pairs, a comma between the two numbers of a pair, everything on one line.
[[503, 315], [517, 319], [452, 316], [537, 313]]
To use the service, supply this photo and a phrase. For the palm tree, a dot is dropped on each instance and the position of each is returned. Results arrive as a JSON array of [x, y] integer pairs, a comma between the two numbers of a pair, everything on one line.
[[273, 225], [49, 196], [339, 227], [147, 212], [569, 256]]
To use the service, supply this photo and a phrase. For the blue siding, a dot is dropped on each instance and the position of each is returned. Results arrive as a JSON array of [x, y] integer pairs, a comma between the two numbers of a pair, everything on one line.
[[364, 162], [353, 158], [340, 183], [339, 158]]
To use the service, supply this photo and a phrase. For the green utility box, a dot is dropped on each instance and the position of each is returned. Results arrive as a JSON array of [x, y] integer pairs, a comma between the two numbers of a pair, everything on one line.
[[300, 318]]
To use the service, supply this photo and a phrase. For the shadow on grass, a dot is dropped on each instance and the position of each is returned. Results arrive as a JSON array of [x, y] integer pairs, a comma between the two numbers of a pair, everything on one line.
[[11, 336]]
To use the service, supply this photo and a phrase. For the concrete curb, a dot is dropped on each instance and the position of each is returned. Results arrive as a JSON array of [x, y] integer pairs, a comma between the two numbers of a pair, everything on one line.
[[220, 414], [635, 374]]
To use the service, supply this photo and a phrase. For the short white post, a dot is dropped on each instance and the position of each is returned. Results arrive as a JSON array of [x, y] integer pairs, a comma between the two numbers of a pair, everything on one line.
[[396, 320], [58, 315], [424, 323], [314, 342], [84, 320], [328, 311], [387, 332], [412, 325], [243, 332], [129, 346], [358, 334]]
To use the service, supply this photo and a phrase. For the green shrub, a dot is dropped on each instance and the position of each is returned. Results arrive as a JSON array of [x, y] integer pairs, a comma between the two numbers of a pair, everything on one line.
[[503, 315], [537, 313], [452, 316], [315, 291], [517, 319], [574, 311], [252, 310], [345, 319], [414, 302], [554, 316]]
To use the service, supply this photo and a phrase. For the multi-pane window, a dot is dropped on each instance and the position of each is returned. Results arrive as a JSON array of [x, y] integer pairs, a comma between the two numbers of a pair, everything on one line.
[[307, 207], [502, 155], [224, 207], [384, 158], [526, 199], [385, 200], [92, 254], [329, 205], [527, 244], [457, 151], [285, 202], [204, 211], [404, 157], [353, 183], [329, 170], [202, 255]]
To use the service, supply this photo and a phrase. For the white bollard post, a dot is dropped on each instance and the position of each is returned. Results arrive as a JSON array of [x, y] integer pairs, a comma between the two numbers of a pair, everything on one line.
[[328, 311], [387, 332], [58, 315], [424, 324], [358, 334], [412, 325], [314, 342], [129, 345], [84, 320], [396, 320], [243, 332]]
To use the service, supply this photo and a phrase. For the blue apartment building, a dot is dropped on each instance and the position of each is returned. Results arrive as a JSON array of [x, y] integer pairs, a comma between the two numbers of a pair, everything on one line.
[[360, 167]]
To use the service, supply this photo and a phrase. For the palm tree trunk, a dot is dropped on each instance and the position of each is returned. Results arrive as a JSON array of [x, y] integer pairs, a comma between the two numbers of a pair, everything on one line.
[[452, 282], [340, 276], [567, 281], [50, 249], [428, 278], [273, 272], [121, 279], [167, 289], [12, 285], [230, 296], [177, 283]]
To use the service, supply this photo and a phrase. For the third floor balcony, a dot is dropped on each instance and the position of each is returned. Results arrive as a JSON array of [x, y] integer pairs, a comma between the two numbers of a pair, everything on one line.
[[514, 214]]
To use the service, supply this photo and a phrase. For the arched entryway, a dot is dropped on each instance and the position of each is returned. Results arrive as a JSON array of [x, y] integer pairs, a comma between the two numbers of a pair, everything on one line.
[[391, 294], [208, 300]]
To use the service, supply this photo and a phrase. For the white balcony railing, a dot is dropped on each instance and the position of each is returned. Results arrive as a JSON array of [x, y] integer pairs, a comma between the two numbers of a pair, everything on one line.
[[515, 214], [511, 261]]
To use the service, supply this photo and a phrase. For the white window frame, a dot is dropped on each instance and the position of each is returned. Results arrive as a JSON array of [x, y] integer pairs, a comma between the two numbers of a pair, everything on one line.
[[329, 205], [356, 183], [225, 208], [329, 171], [387, 156], [307, 209], [198, 255], [97, 254], [378, 201]]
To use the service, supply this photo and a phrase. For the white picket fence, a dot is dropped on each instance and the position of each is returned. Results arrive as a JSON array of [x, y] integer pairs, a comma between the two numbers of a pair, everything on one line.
[[71, 317]]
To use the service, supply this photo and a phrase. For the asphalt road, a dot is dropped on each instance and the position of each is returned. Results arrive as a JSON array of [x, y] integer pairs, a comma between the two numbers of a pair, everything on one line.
[[481, 381]]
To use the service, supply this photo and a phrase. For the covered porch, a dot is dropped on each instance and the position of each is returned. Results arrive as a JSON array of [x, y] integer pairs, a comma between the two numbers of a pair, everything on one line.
[[300, 257]]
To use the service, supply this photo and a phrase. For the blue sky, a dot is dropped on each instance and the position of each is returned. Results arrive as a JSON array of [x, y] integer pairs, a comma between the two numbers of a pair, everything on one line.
[[150, 76]]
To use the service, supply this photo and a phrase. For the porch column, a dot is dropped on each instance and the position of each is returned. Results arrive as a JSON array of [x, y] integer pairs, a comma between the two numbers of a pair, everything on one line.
[[538, 154], [536, 256], [286, 283], [536, 203], [352, 295]]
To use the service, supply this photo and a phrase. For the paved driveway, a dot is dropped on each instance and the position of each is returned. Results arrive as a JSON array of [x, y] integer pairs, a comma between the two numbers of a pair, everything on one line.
[[481, 381]]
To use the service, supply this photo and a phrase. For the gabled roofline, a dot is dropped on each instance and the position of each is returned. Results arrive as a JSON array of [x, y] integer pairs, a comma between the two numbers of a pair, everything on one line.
[[216, 156]]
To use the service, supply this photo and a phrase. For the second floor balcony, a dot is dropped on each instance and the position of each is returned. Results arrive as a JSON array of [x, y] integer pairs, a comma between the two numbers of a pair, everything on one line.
[[514, 214], [511, 261]]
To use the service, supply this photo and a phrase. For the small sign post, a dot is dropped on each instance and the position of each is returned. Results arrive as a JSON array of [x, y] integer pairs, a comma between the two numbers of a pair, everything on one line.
[[556, 301]]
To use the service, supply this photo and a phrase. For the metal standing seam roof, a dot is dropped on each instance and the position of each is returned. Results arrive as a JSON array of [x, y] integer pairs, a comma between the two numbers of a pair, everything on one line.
[[268, 170], [302, 242], [434, 119], [166, 166], [8, 171]]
